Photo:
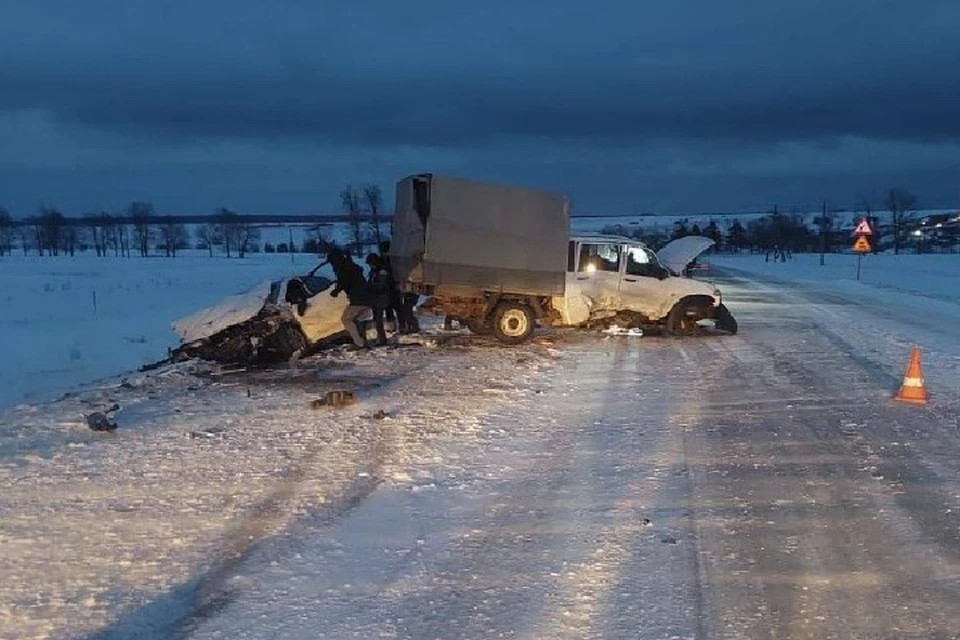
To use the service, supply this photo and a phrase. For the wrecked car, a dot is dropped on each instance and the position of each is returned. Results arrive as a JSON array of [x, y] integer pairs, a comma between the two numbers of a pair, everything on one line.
[[272, 322], [500, 259]]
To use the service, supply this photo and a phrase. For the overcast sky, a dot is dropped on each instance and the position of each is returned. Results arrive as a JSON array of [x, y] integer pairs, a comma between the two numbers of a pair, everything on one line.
[[670, 105]]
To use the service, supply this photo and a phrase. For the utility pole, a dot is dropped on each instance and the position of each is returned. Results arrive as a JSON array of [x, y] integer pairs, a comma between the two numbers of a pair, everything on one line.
[[823, 232]]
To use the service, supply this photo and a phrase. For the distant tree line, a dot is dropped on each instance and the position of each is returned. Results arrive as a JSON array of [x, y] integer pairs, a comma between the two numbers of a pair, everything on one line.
[[139, 230], [778, 234]]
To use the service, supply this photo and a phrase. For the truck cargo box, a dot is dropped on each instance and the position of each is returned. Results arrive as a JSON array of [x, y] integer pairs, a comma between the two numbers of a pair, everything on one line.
[[451, 232]]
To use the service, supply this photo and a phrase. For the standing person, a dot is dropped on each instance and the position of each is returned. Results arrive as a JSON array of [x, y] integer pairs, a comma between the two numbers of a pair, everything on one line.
[[393, 309], [408, 304], [350, 279], [379, 283], [402, 303]]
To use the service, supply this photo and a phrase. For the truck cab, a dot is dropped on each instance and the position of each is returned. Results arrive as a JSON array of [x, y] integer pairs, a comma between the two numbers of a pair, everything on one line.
[[618, 277]]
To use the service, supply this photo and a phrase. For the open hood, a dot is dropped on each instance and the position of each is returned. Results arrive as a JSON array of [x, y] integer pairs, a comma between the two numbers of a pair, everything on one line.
[[677, 254]]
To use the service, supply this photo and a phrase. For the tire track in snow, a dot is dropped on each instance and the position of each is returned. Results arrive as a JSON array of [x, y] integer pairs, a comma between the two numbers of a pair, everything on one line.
[[801, 545], [421, 604], [641, 577]]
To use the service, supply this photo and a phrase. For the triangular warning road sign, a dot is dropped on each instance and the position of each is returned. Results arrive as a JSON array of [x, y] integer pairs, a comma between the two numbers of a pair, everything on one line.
[[863, 229], [862, 245]]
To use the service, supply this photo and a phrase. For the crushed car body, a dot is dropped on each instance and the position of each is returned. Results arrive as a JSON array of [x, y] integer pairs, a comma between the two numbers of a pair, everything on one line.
[[270, 323]]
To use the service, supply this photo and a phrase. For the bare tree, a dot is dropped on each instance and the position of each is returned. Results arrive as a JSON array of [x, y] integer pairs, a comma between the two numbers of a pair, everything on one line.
[[247, 238], [51, 230], [900, 202], [26, 238], [373, 200], [36, 226], [141, 214], [125, 238], [109, 236], [71, 238], [350, 200], [209, 235], [6, 232], [238, 234], [108, 232], [95, 228], [173, 236], [319, 239], [229, 223], [92, 223]]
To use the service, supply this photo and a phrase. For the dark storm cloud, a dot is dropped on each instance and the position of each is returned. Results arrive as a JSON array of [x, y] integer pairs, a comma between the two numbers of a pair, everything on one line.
[[430, 74], [632, 105]]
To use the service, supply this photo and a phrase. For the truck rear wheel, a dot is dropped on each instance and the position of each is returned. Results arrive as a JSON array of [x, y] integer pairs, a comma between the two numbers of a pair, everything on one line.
[[513, 322]]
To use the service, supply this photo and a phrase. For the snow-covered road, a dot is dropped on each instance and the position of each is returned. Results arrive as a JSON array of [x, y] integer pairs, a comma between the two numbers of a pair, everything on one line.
[[756, 486]]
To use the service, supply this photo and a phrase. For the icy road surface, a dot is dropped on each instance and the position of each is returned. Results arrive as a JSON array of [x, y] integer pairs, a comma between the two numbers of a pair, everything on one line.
[[756, 486]]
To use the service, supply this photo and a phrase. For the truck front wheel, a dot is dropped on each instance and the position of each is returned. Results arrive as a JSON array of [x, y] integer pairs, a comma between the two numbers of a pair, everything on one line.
[[513, 322], [725, 320], [682, 320]]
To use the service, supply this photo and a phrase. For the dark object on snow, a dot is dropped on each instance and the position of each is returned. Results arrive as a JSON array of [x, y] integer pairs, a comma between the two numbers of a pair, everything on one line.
[[100, 421], [669, 540], [381, 415], [339, 398]]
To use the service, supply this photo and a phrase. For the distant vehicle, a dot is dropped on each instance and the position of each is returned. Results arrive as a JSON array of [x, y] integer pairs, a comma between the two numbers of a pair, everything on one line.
[[500, 259]]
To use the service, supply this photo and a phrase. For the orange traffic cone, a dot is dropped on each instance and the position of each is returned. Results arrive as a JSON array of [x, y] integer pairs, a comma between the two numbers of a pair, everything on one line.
[[912, 389]]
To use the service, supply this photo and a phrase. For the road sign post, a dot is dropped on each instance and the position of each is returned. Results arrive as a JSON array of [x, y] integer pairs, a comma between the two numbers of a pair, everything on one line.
[[862, 243]]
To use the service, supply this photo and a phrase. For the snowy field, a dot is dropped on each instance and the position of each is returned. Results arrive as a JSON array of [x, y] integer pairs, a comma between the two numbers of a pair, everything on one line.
[[66, 321], [882, 276]]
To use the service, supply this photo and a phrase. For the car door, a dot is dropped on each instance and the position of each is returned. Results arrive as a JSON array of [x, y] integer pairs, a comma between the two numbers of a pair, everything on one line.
[[597, 274], [641, 288]]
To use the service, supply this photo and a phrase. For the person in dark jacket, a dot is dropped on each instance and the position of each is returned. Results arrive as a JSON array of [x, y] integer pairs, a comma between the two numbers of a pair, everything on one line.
[[379, 283], [401, 303], [391, 313], [351, 281]]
